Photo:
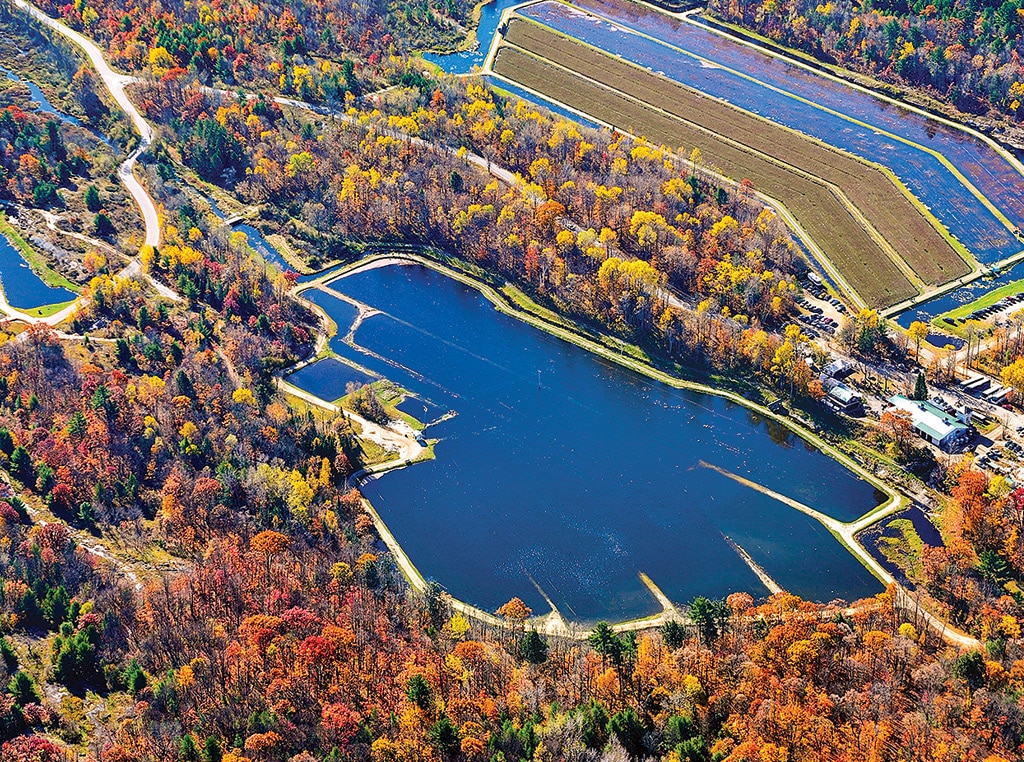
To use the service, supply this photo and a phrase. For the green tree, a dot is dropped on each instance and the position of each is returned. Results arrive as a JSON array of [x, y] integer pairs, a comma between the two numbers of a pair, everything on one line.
[[993, 566], [710, 617], [212, 150], [629, 731], [55, 606], [187, 751], [971, 669], [920, 387], [23, 689], [44, 193], [212, 751], [123, 351], [604, 640], [92, 199], [133, 677], [533, 648], [75, 658], [418, 691], [102, 225], [7, 655], [444, 735], [22, 468], [673, 634], [593, 725]]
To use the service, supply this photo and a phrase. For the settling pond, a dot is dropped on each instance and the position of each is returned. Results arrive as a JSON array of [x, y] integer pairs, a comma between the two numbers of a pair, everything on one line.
[[576, 485]]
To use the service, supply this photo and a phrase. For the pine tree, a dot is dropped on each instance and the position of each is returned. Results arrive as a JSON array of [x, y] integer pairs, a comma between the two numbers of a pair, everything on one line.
[[920, 388]]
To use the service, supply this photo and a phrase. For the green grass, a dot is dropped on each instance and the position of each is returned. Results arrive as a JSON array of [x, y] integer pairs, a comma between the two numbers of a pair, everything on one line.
[[524, 302], [47, 310], [35, 260], [390, 395], [987, 300], [904, 549]]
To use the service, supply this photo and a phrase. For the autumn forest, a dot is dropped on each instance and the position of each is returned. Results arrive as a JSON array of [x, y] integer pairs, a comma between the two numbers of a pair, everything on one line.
[[189, 570]]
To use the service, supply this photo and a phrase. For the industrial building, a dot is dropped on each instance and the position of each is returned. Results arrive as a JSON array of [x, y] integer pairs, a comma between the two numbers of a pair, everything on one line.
[[933, 424]]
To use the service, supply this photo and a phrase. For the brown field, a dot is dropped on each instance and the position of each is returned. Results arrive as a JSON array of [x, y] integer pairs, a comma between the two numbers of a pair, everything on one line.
[[729, 138]]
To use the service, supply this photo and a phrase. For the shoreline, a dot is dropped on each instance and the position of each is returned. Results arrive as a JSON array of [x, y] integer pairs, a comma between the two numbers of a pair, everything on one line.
[[551, 622]]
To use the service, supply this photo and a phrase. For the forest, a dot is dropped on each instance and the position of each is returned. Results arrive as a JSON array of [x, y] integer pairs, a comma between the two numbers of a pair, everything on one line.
[[188, 574], [966, 53]]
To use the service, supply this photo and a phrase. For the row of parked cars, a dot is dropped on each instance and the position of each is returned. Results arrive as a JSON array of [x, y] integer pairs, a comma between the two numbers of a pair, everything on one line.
[[994, 309], [824, 296], [991, 459], [821, 322]]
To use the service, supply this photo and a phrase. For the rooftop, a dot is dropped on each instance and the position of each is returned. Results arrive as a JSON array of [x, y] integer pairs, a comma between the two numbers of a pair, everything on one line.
[[927, 418]]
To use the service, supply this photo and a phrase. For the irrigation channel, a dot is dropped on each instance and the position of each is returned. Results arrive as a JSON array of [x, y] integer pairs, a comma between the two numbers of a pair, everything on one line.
[[563, 477]]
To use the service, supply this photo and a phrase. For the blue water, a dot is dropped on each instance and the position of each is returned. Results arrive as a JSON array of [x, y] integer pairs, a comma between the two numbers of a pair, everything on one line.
[[589, 478], [262, 246], [698, 59], [328, 378], [256, 240], [43, 105], [23, 288], [40, 98], [464, 61]]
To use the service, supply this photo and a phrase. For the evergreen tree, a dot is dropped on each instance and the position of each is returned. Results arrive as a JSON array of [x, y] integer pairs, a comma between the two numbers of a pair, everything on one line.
[[92, 199], [920, 387], [533, 648], [22, 468], [673, 634], [212, 751], [418, 691], [23, 689]]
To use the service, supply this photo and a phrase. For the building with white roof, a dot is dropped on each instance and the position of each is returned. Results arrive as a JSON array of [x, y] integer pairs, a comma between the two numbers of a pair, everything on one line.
[[933, 424]]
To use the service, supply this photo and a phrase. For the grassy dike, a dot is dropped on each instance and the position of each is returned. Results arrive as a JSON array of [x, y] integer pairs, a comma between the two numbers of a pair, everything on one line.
[[1015, 287], [515, 303]]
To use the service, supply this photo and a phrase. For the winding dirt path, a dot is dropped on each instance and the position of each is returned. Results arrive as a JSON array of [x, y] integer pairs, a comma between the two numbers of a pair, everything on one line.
[[116, 84]]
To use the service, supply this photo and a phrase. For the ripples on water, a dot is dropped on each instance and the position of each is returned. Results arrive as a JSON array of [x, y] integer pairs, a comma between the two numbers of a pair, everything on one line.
[[593, 477]]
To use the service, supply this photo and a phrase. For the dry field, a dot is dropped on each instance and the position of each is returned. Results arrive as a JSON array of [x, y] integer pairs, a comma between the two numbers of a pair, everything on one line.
[[796, 170]]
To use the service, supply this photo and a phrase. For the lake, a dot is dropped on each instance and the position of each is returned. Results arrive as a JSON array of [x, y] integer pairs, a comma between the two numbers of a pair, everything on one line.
[[23, 288], [576, 485]]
